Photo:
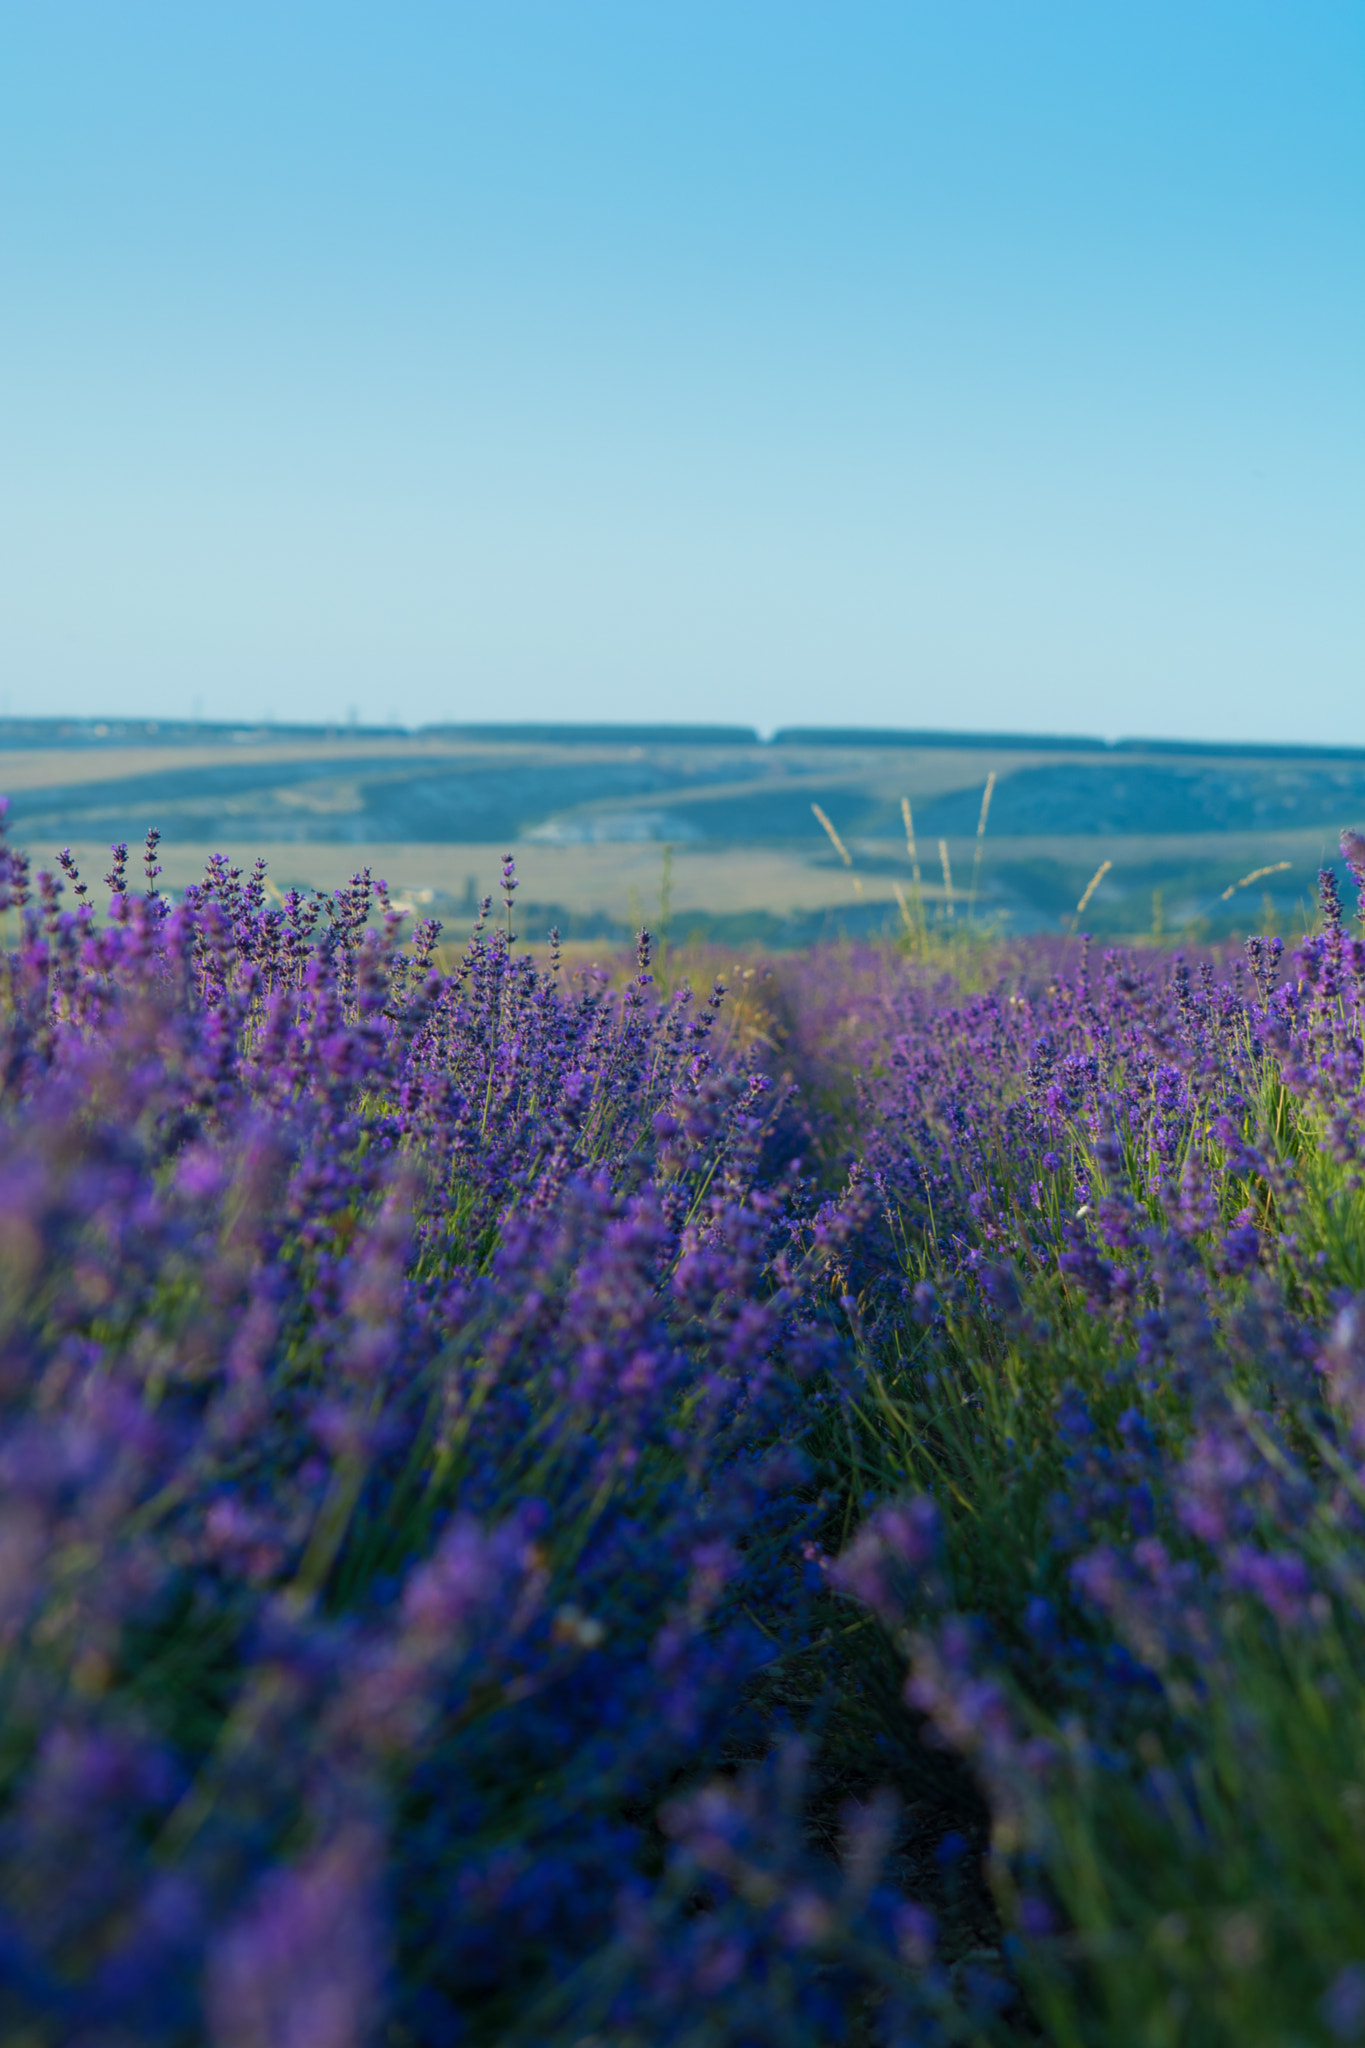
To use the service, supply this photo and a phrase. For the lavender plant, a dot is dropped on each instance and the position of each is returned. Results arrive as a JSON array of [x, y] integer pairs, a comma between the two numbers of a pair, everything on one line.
[[1120, 1409], [404, 1380]]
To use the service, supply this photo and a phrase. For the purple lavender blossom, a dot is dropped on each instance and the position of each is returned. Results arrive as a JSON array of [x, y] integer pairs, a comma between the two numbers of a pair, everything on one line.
[[304, 1965]]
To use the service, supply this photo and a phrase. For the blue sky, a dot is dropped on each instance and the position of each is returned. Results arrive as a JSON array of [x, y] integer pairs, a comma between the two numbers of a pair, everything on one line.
[[974, 363]]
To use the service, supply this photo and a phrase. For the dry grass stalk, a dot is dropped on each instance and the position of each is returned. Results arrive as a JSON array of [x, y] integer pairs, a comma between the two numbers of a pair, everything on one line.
[[910, 847], [913, 851], [986, 796], [1277, 867], [987, 793], [845, 856], [1091, 886]]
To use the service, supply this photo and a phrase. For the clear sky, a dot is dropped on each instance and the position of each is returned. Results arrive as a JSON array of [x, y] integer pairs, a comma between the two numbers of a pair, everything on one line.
[[948, 362]]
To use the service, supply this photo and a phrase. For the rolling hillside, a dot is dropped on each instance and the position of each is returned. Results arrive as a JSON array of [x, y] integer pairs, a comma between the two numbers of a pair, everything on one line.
[[590, 810]]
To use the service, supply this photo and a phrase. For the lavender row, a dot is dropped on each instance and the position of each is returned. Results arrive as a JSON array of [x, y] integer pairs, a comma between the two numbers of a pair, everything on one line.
[[403, 1386], [1113, 1411]]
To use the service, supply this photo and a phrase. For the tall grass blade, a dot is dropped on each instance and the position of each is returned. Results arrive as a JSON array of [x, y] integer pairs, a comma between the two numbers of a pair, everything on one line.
[[947, 866], [986, 796]]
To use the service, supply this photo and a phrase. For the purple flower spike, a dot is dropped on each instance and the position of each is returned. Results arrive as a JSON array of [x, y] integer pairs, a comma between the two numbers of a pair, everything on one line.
[[1343, 2003], [888, 1563], [1353, 853], [304, 1967]]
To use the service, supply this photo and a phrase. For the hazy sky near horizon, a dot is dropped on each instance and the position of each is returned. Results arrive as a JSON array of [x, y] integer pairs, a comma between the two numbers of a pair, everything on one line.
[[971, 363]]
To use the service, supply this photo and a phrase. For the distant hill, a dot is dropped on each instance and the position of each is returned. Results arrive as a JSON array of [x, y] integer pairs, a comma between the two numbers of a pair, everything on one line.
[[592, 784], [1130, 795], [1180, 823]]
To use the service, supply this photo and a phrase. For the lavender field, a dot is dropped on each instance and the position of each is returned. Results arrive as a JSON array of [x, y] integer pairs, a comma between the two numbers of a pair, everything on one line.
[[543, 1509]]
